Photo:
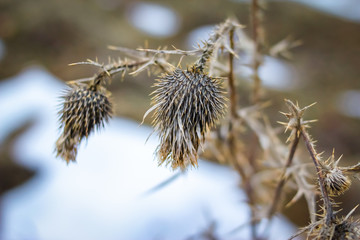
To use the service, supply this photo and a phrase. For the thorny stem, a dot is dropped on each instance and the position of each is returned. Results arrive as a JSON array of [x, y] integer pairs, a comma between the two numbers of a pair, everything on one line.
[[298, 126], [211, 43], [233, 107], [282, 181], [255, 12], [327, 203], [112, 69]]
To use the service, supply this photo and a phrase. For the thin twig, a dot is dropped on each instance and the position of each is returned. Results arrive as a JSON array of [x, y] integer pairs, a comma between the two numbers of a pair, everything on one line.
[[163, 184], [233, 112], [174, 52], [112, 69], [246, 178], [232, 90], [255, 20], [282, 181]]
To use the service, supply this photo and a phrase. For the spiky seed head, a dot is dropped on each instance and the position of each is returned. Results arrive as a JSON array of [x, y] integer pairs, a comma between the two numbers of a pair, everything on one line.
[[339, 229], [347, 230], [83, 109], [336, 182], [186, 104]]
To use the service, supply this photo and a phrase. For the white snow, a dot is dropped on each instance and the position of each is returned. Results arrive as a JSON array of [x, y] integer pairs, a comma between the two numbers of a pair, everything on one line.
[[154, 19]]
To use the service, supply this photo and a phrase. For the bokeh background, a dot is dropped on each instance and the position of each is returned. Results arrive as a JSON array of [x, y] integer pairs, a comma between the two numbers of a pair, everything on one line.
[[38, 39]]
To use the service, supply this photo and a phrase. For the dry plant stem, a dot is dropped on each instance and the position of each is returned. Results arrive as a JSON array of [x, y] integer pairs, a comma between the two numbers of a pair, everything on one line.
[[279, 187], [211, 44], [233, 107], [251, 158], [111, 70], [251, 202], [233, 118], [256, 63], [232, 90], [325, 197]]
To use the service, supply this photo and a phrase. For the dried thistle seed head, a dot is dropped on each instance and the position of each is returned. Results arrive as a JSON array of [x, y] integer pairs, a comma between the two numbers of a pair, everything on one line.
[[83, 109], [340, 229], [347, 230], [336, 182], [186, 104]]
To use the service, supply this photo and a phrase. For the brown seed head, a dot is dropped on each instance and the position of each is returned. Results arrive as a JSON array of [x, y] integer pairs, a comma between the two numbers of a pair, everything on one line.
[[338, 229], [336, 182], [84, 109], [186, 103], [347, 230]]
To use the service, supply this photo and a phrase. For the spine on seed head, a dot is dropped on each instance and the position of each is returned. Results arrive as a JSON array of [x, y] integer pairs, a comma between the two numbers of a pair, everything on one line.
[[335, 180], [187, 104], [84, 109]]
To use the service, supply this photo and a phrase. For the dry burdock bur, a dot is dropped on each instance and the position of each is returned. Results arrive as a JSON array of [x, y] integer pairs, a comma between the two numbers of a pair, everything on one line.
[[187, 103]]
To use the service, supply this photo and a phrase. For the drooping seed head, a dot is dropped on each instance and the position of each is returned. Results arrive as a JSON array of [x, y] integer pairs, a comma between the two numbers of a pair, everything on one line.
[[186, 104], [83, 110]]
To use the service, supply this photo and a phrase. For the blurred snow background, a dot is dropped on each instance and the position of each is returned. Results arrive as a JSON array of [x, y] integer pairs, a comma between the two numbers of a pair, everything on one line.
[[104, 195]]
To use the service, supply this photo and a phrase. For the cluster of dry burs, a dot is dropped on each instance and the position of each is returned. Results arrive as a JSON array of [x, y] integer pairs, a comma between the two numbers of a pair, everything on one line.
[[186, 106]]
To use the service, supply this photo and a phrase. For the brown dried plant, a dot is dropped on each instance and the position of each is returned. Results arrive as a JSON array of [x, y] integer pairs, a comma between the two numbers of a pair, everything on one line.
[[84, 108], [189, 102], [332, 181], [186, 104]]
